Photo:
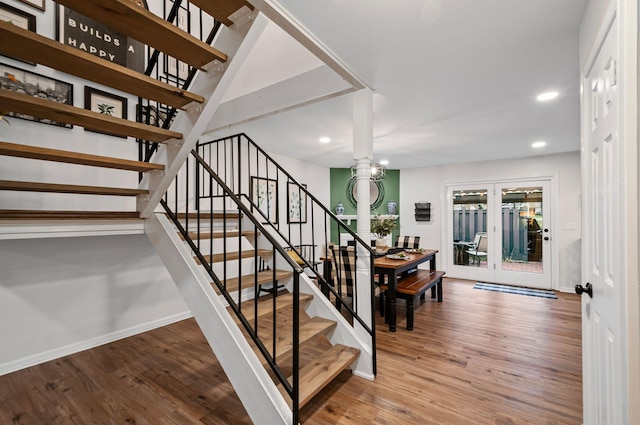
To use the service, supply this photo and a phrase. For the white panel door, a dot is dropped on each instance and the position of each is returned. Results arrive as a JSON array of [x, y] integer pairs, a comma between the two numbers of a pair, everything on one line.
[[603, 337]]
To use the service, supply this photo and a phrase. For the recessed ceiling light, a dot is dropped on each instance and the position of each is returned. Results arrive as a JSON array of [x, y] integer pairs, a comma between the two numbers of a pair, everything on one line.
[[384, 162], [324, 139], [539, 144], [547, 96]]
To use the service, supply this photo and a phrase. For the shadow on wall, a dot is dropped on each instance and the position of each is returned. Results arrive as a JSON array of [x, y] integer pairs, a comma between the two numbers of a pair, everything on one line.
[[570, 262]]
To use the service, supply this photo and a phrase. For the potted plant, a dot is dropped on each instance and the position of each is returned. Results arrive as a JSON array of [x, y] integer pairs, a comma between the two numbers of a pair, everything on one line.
[[382, 227]]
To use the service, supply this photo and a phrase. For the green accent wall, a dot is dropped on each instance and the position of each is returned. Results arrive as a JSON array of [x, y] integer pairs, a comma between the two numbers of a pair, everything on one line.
[[339, 180]]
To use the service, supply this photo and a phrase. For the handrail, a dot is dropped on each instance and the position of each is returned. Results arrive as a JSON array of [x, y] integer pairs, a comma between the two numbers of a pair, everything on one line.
[[240, 165], [181, 197]]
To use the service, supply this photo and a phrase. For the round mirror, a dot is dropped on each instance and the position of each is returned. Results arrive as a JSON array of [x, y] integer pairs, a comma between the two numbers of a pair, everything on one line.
[[376, 193]]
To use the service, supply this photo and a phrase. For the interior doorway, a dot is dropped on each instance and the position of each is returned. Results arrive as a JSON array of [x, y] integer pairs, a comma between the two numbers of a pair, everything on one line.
[[500, 232]]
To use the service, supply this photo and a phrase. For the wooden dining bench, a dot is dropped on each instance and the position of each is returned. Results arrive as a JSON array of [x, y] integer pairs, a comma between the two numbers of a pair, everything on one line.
[[416, 284]]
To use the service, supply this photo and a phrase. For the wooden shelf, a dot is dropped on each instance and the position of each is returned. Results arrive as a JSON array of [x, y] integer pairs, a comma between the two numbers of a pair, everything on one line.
[[128, 18], [352, 217], [29, 46], [46, 109]]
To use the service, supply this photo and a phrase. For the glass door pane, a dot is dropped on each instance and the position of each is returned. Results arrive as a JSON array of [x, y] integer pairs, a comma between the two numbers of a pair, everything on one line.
[[470, 240], [525, 242], [522, 222]]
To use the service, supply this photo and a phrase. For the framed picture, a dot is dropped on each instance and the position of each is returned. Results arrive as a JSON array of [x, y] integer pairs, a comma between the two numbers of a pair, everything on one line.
[[296, 203], [105, 103], [38, 4], [173, 67], [18, 18], [264, 194], [16, 79]]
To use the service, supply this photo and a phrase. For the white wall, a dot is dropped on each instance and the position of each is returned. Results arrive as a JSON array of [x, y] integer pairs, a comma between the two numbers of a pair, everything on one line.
[[63, 295], [428, 184]]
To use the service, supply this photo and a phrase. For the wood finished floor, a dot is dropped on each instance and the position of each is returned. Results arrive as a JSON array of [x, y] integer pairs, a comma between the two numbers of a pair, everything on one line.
[[479, 357]]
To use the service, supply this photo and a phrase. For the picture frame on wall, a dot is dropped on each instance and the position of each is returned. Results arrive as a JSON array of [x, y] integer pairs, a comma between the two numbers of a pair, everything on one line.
[[19, 18], [23, 81], [105, 103], [264, 195], [296, 203], [38, 4]]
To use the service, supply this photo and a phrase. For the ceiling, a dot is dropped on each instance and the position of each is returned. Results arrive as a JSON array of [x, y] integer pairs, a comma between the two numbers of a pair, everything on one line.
[[454, 81]]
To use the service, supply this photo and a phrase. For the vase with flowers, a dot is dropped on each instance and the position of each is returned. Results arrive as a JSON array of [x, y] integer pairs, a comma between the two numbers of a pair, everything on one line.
[[382, 227]]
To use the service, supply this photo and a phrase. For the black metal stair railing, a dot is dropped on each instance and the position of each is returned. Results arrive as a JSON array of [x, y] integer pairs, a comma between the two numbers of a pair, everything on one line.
[[170, 70], [299, 219], [225, 237]]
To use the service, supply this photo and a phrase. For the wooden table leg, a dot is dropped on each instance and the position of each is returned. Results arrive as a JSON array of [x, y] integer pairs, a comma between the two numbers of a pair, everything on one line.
[[391, 299]]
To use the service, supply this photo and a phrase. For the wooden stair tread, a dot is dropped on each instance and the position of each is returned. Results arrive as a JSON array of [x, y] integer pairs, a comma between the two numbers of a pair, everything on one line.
[[235, 255], [27, 45], [67, 215], [322, 370], [261, 278], [29, 105], [216, 215], [308, 331], [221, 9], [137, 22], [46, 154], [68, 188], [265, 305], [249, 234]]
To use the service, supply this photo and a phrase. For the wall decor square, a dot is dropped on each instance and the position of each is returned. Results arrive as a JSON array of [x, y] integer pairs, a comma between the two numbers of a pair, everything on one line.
[[18, 18], [296, 203], [105, 103], [264, 194], [36, 85], [38, 4]]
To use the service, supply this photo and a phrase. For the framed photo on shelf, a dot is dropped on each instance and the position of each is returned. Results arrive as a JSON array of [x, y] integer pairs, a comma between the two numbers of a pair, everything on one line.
[[296, 203], [36, 85], [38, 4], [264, 194], [105, 103], [18, 18]]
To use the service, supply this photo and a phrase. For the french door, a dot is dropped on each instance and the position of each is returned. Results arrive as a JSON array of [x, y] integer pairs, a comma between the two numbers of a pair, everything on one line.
[[501, 232]]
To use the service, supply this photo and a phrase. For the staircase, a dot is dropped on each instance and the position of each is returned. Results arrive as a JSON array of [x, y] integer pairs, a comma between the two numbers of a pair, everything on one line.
[[279, 338]]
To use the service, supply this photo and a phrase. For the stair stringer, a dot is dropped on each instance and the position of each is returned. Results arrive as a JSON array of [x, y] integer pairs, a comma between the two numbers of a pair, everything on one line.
[[236, 41], [252, 383]]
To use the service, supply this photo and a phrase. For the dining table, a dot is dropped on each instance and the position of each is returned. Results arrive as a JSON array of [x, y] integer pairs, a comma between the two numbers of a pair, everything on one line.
[[393, 267]]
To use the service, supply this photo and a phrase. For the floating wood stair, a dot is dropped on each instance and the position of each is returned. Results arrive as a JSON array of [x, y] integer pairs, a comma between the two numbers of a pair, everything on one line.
[[308, 331], [55, 155], [235, 255], [27, 45], [68, 188], [265, 305], [203, 215], [67, 215], [29, 105], [221, 234], [222, 10], [261, 278], [128, 18], [317, 374]]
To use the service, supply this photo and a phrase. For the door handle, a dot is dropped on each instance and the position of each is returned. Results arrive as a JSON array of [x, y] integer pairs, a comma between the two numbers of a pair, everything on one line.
[[588, 289], [546, 238]]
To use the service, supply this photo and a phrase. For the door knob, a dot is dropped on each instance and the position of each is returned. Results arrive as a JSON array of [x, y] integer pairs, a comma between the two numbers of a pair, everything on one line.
[[546, 238], [588, 289]]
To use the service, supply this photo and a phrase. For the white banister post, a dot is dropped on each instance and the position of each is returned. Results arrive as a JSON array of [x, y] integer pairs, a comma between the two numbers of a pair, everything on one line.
[[363, 154]]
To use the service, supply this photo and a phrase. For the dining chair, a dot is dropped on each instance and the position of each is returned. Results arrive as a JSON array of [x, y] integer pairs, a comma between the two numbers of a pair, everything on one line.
[[407, 242], [478, 249], [343, 260]]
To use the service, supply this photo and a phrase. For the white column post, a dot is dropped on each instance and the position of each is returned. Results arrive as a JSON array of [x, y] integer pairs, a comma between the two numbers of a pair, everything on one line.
[[363, 154]]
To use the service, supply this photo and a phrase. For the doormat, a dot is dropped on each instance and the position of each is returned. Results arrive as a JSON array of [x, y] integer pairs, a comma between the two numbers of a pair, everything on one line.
[[541, 293]]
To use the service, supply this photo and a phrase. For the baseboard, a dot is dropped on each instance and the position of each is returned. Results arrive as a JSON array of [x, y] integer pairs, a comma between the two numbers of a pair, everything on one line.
[[46, 356]]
